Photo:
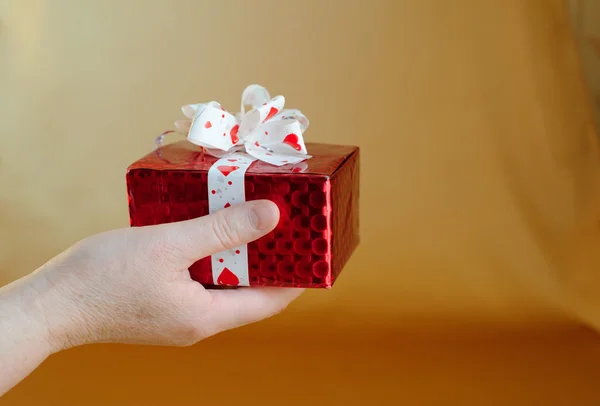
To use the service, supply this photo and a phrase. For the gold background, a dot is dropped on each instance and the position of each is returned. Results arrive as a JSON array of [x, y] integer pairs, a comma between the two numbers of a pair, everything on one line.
[[480, 191]]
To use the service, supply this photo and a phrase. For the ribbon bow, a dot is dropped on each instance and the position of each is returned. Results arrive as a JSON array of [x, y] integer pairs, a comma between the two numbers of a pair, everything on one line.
[[267, 132]]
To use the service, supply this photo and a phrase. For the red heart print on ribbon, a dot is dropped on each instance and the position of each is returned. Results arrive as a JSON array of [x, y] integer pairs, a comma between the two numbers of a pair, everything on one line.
[[272, 112], [292, 141], [233, 134], [227, 169], [227, 278]]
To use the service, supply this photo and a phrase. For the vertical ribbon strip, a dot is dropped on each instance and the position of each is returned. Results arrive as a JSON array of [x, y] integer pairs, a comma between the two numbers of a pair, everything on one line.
[[225, 189]]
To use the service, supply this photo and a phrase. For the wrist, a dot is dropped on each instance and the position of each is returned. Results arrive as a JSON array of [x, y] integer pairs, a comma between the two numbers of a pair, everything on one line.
[[52, 309], [21, 316]]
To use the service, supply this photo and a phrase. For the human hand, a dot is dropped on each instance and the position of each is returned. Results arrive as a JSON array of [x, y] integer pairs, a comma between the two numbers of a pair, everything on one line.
[[132, 285]]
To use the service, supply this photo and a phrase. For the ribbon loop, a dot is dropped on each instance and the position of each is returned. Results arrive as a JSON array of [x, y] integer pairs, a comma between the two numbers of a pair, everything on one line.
[[254, 95], [293, 115], [214, 128]]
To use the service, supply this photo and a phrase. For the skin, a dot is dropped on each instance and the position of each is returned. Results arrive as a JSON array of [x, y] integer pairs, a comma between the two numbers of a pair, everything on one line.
[[132, 286]]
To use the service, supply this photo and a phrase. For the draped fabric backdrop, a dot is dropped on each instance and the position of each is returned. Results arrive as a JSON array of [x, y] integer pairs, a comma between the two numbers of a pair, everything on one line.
[[480, 197], [585, 15]]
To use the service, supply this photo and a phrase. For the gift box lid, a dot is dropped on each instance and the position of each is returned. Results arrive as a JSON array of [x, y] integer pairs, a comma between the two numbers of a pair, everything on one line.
[[184, 155]]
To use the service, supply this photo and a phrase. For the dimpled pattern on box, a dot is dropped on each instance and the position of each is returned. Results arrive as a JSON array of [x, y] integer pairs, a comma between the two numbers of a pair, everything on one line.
[[317, 199]]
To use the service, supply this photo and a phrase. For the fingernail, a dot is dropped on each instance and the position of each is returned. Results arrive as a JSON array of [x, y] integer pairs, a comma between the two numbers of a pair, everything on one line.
[[264, 215]]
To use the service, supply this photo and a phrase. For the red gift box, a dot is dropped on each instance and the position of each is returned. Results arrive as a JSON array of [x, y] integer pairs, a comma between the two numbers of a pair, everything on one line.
[[318, 201]]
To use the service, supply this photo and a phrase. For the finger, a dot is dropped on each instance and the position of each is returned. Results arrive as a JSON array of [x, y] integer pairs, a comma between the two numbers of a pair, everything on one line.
[[238, 307], [194, 239]]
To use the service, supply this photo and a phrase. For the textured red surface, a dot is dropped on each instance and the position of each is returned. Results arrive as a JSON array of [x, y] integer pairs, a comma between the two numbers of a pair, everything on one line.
[[318, 201]]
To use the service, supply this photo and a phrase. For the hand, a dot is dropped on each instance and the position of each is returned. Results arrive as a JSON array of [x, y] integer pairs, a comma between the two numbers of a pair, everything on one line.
[[133, 286]]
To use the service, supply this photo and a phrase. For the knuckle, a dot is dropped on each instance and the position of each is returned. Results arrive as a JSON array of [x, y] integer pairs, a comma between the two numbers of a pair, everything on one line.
[[224, 231]]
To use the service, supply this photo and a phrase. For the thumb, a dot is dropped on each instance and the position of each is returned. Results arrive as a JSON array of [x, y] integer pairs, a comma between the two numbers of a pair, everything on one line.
[[223, 230]]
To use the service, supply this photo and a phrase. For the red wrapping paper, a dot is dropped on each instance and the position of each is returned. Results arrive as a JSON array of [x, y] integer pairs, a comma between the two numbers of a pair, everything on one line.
[[318, 201]]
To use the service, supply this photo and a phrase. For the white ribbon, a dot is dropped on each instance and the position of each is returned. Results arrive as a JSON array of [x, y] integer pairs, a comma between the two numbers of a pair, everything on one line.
[[267, 132]]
